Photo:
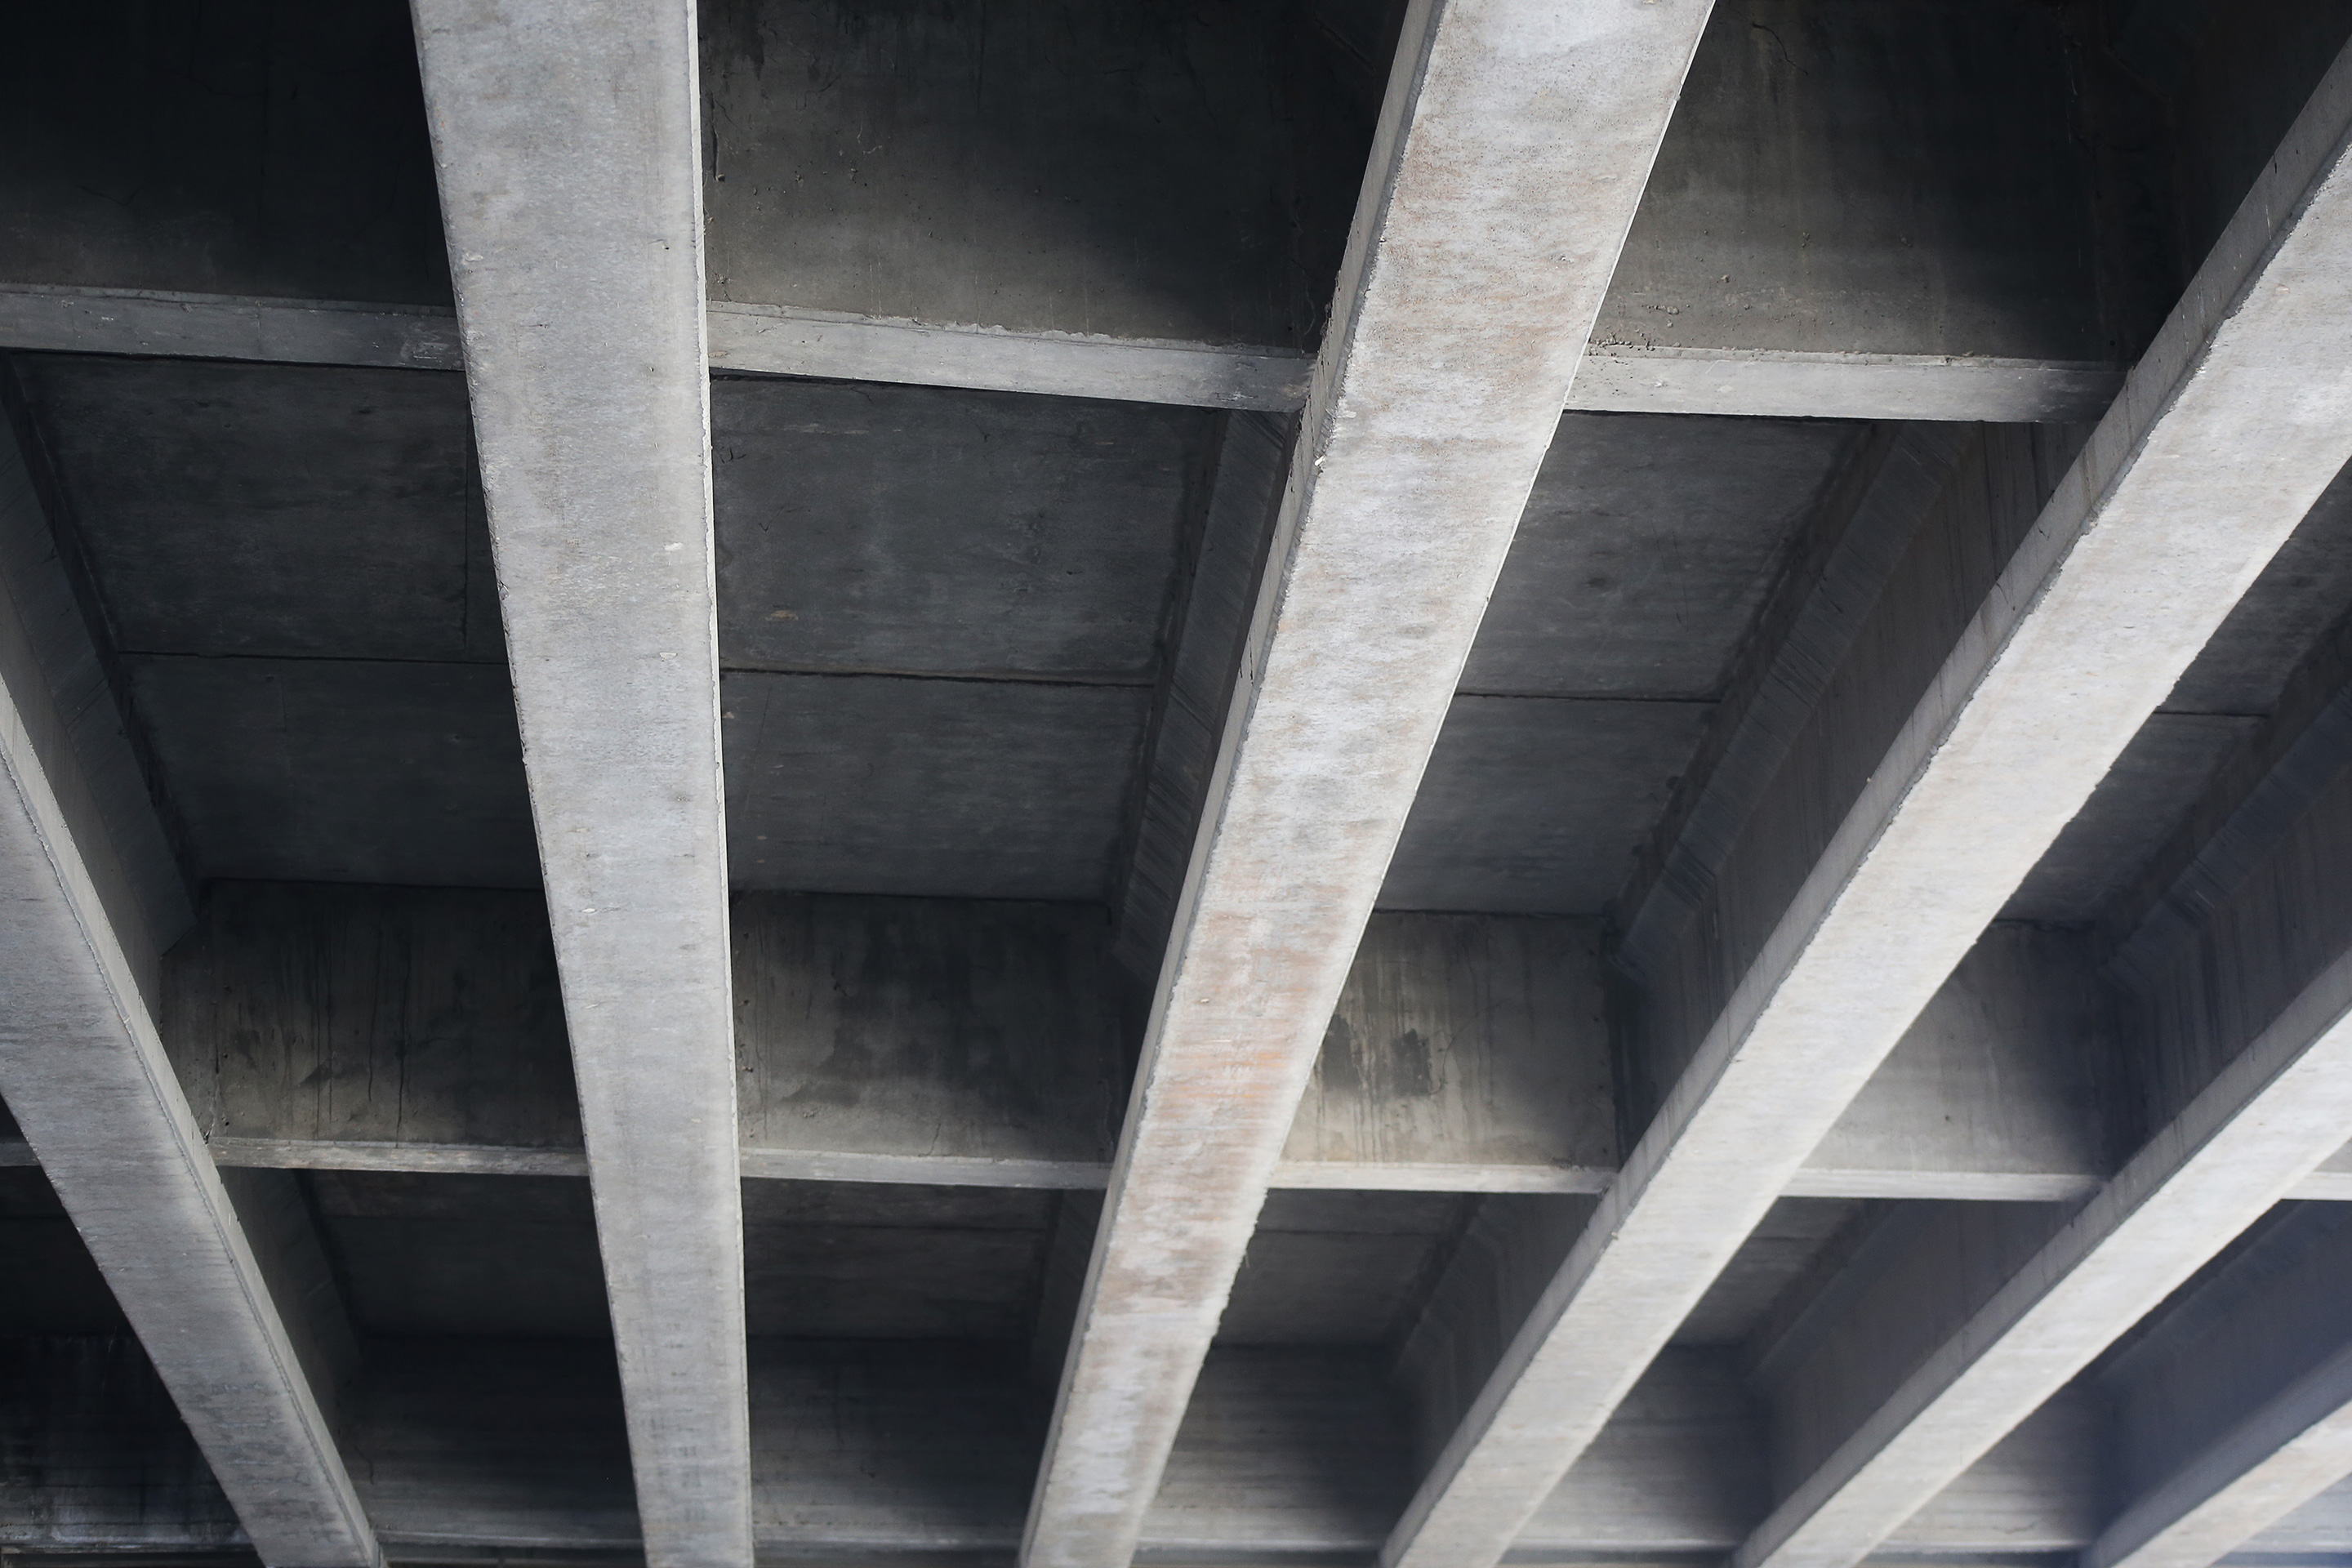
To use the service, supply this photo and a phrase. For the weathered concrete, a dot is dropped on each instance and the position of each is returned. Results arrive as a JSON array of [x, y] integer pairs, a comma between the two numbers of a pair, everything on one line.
[[239, 149], [88, 1082], [94, 763], [93, 1457], [2227, 1400], [768, 340], [2126, 573], [2243, 981], [596, 463], [899, 1040], [916, 531], [1202, 659], [1492, 214], [929, 788]]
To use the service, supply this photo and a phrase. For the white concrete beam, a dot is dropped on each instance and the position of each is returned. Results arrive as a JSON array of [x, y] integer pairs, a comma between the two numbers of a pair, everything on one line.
[[565, 141], [86, 1077], [1512, 149], [769, 339], [2223, 438]]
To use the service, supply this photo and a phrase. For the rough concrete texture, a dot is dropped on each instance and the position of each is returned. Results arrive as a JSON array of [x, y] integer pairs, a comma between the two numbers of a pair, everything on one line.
[[960, 789], [1797, 205], [1495, 208], [244, 148], [920, 531], [1535, 806], [1645, 551], [595, 462], [87, 1081], [2126, 573], [969, 163]]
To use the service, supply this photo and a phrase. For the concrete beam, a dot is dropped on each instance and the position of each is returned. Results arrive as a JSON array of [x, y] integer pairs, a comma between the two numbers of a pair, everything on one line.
[[769, 339], [565, 142], [2243, 977], [2128, 569], [1493, 212], [251, 1354], [2229, 1406], [86, 1077], [988, 1051]]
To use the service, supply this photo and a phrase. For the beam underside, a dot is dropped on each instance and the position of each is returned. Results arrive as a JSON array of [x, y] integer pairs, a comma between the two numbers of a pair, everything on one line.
[[1462, 308], [2045, 690], [593, 436]]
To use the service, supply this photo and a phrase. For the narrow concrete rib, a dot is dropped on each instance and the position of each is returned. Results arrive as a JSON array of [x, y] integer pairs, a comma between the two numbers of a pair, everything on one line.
[[2223, 438], [566, 140], [2263, 1468], [1512, 151], [87, 1080], [771, 340], [2263, 1125]]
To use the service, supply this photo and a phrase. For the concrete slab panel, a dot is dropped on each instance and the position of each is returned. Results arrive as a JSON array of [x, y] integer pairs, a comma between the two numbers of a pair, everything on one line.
[[1535, 805], [1338, 1269], [332, 771], [1803, 200], [238, 148], [973, 163], [1646, 549], [943, 788], [925, 531], [90, 1412], [236, 508]]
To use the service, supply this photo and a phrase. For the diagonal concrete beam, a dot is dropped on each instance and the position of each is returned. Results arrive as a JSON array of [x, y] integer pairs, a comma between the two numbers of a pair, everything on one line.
[[1512, 149], [2247, 962], [565, 141], [86, 1077], [2223, 438], [2287, 1453]]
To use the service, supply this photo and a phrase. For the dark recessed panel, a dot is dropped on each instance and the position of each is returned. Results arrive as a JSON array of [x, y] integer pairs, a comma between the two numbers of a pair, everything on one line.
[[1535, 805], [945, 788], [96, 1463], [1340, 1267], [230, 146], [323, 770], [508, 1441], [52, 1286], [1647, 544], [2144, 799], [464, 1255], [847, 1261], [2300, 594], [1143, 169], [920, 529], [272, 509], [1774, 1262]]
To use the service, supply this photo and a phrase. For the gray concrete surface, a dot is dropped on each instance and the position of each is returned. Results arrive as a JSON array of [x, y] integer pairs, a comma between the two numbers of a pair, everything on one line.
[[1492, 216], [2042, 692], [88, 1083], [596, 471]]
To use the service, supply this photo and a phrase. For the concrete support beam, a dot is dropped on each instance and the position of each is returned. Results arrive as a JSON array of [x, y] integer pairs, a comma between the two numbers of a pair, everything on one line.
[[2231, 1408], [2224, 437], [250, 1352], [1494, 209], [1992, 1093], [565, 141], [2279, 1458], [768, 340], [2243, 1013]]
